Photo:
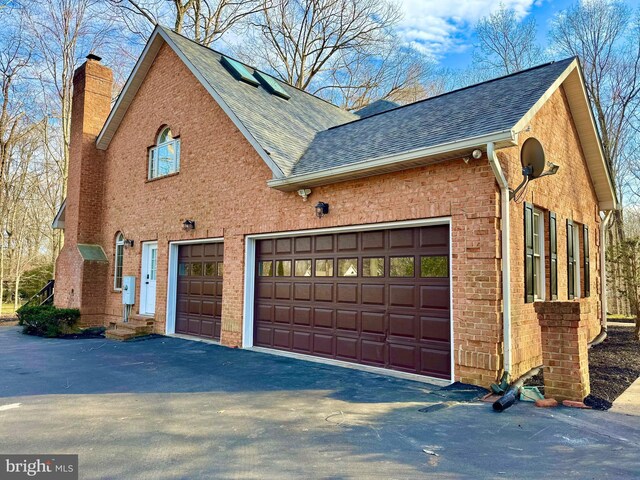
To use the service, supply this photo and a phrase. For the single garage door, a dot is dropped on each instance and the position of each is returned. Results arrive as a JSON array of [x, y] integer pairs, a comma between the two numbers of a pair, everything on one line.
[[199, 296], [378, 298]]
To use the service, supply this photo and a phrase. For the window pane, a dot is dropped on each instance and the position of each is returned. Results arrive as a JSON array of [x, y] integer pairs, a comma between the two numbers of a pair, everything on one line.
[[436, 267], [348, 267], [152, 162], [324, 268], [165, 159], [196, 269], [220, 268], [154, 263], [118, 266], [209, 269], [373, 267], [303, 268], [283, 268], [183, 269], [165, 136], [265, 269], [401, 266]]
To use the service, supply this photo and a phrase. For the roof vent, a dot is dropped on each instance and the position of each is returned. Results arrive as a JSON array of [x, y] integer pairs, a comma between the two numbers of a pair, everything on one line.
[[238, 70], [272, 85]]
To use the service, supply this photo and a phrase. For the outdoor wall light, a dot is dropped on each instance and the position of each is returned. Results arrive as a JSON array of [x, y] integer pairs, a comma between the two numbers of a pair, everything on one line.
[[189, 225], [322, 209], [128, 242]]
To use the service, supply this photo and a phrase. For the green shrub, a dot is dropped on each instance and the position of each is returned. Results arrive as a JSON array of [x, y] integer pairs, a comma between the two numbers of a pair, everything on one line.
[[47, 320]]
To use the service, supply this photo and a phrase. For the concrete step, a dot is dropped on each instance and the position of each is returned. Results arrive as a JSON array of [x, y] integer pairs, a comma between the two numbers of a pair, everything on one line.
[[134, 327], [125, 331], [138, 319], [120, 335]]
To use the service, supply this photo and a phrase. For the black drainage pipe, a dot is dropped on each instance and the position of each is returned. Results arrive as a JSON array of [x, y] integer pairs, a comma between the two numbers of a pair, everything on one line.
[[506, 400]]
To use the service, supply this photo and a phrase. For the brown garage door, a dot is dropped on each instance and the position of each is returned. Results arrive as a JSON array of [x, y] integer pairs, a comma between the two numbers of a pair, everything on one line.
[[378, 298], [199, 296]]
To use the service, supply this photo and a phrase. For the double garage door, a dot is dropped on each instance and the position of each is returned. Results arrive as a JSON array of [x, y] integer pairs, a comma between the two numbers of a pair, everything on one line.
[[379, 298]]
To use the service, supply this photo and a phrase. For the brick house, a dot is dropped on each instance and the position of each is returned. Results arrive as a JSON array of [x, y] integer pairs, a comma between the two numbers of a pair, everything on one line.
[[259, 216]]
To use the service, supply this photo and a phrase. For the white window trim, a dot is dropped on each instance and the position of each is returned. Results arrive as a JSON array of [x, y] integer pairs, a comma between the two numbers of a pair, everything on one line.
[[119, 244], [541, 277], [576, 261], [176, 158]]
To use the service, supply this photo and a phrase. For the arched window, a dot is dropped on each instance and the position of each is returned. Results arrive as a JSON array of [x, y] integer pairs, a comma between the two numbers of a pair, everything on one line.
[[119, 260], [164, 157]]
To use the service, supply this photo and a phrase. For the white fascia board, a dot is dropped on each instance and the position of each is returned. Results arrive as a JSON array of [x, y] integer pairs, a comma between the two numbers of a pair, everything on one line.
[[369, 167], [58, 220]]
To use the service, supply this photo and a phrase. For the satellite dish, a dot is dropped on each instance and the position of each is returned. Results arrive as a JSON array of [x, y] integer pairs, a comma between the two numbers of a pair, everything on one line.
[[532, 158]]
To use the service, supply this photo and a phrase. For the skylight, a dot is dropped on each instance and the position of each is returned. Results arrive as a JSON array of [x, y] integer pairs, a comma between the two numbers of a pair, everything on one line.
[[239, 71], [271, 85]]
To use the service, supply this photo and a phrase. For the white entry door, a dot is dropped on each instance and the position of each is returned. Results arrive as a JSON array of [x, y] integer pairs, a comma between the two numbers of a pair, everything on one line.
[[148, 278]]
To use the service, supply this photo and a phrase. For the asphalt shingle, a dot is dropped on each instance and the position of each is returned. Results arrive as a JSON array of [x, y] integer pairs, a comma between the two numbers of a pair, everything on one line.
[[306, 134]]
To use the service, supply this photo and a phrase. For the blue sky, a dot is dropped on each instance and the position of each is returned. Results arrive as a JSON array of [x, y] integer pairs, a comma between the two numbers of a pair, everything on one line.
[[442, 28]]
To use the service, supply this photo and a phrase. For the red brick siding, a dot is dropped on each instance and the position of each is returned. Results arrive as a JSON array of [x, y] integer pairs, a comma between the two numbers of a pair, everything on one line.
[[569, 194]]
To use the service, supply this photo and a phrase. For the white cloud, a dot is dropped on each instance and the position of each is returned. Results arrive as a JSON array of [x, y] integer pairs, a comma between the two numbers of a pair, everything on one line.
[[436, 27]]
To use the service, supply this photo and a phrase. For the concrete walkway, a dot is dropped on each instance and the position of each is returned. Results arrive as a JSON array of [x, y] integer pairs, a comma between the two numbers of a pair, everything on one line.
[[629, 402], [169, 408]]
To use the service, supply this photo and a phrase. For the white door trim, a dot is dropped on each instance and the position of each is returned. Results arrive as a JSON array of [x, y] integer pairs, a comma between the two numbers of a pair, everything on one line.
[[143, 269], [250, 263], [172, 279]]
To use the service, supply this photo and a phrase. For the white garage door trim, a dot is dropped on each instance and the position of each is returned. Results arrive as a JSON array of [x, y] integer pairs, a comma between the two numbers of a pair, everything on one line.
[[249, 291], [172, 279]]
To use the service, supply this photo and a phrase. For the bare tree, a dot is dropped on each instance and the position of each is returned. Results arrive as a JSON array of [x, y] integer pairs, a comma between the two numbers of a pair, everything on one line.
[[301, 40], [204, 21], [506, 44], [604, 35], [398, 74]]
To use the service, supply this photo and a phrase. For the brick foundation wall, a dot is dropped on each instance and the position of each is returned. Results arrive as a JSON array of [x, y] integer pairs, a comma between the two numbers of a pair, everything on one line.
[[564, 332]]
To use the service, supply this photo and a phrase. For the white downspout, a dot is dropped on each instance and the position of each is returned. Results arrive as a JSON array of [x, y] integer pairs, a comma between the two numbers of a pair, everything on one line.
[[506, 255], [603, 283]]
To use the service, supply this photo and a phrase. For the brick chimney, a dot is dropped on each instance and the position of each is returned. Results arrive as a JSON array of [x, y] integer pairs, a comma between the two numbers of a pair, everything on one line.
[[81, 282], [91, 102]]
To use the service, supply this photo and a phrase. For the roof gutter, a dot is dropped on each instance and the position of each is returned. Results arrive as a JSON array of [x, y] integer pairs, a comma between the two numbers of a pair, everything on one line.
[[506, 255], [444, 151]]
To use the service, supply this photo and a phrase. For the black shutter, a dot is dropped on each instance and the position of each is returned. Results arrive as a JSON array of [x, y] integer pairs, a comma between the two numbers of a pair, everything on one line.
[[570, 260], [553, 256], [587, 273], [528, 253]]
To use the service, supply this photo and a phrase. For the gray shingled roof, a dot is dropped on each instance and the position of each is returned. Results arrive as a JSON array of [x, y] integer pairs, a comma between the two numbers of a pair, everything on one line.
[[490, 107], [284, 128], [305, 134]]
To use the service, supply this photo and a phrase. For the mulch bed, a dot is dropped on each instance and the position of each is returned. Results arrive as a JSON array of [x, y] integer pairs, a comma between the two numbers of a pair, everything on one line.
[[613, 366]]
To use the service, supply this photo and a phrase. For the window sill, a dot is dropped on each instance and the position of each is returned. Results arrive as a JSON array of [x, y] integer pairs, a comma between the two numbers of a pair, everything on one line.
[[149, 180]]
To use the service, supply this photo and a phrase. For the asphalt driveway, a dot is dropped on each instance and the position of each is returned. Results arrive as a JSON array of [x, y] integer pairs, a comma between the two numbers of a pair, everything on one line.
[[171, 408]]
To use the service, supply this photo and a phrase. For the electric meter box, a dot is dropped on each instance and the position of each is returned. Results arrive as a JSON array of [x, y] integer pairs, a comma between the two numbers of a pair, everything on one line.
[[128, 290]]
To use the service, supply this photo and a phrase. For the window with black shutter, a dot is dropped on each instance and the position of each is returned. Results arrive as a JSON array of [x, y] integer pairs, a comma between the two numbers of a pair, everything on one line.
[[570, 261], [553, 256], [528, 253], [587, 273]]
